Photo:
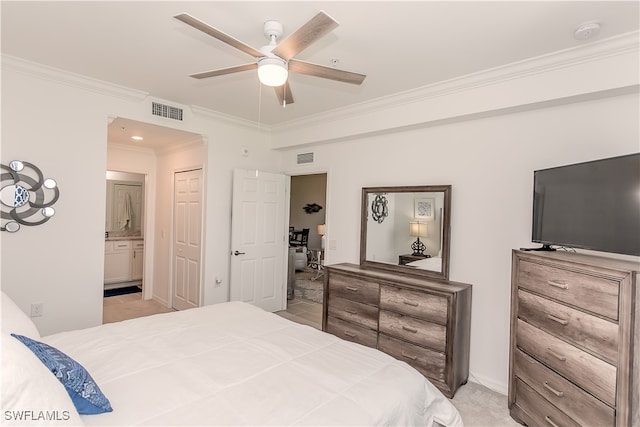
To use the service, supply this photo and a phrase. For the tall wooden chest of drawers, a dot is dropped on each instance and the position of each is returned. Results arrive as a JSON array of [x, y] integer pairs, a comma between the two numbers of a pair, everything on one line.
[[420, 321], [574, 340]]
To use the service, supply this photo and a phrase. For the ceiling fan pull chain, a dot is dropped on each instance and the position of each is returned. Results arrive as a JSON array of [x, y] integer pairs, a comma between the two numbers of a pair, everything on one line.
[[259, 106]]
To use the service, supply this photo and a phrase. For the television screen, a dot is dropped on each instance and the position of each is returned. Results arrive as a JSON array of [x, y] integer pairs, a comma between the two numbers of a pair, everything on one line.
[[593, 205]]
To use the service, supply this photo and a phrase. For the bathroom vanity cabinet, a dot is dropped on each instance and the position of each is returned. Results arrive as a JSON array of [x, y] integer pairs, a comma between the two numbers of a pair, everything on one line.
[[123, 260]]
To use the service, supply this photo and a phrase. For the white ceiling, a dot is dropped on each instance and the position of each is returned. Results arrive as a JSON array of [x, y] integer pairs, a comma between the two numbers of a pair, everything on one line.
[[399, 45]]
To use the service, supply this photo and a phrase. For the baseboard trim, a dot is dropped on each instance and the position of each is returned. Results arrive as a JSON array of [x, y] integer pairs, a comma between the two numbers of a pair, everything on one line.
[[491, 384]]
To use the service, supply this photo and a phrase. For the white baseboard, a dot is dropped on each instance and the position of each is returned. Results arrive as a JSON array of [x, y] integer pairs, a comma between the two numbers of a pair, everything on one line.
[[491, 384]]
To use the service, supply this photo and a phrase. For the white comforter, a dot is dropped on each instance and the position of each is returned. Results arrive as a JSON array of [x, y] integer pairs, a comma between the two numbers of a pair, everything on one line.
[[235, 364]]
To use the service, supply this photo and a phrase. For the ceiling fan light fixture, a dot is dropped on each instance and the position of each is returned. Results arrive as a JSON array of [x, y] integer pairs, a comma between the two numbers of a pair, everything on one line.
[[272, 71]]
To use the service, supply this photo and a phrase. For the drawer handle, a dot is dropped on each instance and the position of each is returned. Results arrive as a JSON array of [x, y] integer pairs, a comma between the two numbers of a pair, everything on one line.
[[412, 304], [548, 419], [350, 311], [350, 334], [557, 284], [408, 329], [553, 390], [563, 322], [408, 356], [556, 355], [352, 289]]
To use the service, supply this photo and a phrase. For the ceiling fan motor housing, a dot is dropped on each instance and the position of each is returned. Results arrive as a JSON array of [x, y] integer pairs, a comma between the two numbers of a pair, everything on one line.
[[274, 61], [273, 29]]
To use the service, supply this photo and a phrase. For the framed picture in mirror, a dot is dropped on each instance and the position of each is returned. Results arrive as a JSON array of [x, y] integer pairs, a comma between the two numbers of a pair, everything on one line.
[[424, 209]]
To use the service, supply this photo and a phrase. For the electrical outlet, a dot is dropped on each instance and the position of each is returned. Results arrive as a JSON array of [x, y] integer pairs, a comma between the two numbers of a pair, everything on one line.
[[37, 309]]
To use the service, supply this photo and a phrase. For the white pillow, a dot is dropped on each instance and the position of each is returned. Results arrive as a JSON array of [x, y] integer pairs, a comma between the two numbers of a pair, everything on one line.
[[31, 394], [16, 321]]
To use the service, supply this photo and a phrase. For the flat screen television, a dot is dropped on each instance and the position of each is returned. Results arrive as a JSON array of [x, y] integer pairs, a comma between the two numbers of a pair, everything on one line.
[[593, 205]]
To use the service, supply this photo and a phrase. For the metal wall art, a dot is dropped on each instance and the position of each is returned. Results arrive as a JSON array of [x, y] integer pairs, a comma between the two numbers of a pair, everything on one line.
[[379, 208], [26, 196], [312, 208]]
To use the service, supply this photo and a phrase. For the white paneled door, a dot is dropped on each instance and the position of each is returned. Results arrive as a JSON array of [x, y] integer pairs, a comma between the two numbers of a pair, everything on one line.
[[258, 239], [187, 235]]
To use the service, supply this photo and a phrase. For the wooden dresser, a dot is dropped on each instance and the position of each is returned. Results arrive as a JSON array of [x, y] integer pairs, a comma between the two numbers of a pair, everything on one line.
[[574, 328], [421, 321]]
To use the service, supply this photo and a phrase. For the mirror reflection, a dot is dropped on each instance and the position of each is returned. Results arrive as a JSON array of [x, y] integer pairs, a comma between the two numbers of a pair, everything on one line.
[[407, 228], [125, 201]]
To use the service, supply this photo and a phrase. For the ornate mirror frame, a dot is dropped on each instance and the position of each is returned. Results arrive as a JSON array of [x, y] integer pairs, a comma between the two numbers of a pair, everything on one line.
[[379, 209]]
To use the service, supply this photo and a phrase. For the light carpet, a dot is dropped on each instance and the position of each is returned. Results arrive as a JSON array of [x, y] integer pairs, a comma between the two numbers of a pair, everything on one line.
[[309, 285], [482, 407]]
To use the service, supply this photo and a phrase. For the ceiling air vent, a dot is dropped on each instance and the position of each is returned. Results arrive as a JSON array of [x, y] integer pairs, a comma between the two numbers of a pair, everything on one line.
[[167, 111], [305, 158]]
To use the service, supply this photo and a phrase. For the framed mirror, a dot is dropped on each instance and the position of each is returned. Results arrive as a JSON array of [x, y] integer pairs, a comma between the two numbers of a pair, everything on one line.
[[407, 229], [125, 203]]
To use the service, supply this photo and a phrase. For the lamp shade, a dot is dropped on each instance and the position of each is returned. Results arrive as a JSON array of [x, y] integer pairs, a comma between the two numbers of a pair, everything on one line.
[[417, 229], [321, 229], [272, 71]]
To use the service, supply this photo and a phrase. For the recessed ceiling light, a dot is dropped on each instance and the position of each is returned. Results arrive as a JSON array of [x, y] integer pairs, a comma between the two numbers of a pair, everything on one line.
[[137, 138]]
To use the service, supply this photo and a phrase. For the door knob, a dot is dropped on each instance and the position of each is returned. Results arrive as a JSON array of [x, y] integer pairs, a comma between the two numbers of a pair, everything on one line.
[[236, 253]]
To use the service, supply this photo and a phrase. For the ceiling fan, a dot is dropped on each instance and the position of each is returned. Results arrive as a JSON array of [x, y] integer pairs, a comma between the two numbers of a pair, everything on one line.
[[275, 60]]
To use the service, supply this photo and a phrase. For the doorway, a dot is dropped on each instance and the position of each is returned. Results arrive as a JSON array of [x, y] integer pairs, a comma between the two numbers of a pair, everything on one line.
[[307, 219], [124, 236], [162, 151]]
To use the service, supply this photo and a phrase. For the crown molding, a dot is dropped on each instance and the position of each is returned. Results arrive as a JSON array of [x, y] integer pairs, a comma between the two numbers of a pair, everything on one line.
[[619, 45], [131, 148], [184, 145], [57, 75], [216, 115], [194, 142], [614, 46]]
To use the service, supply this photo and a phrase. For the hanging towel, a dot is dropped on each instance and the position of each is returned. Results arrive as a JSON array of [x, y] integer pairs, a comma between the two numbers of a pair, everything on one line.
[[126, 216]]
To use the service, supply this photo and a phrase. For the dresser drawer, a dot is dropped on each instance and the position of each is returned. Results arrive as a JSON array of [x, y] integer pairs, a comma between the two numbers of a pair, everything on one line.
[[593, 333], [354, 288], [352, 332], [362, 314], [414, 330], [595, 294], [592, 374], [540, 410], [418, 304], [430, 363], [563, 394]]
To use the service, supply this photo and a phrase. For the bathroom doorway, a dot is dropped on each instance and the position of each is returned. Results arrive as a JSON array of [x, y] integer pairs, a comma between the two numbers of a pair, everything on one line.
[[124, 233]]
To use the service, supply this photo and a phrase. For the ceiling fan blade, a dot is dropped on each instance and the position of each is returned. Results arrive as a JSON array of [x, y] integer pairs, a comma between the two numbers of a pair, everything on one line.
[[223, 71], [316, 70], [304, 36], [223, 37], [285, 97]]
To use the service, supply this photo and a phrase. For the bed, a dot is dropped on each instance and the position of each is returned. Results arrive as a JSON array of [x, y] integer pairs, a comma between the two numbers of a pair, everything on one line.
[[431, 263], [224, 364]]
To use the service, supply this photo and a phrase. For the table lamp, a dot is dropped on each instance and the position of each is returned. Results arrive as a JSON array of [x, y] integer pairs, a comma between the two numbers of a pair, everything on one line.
[[418, 229]]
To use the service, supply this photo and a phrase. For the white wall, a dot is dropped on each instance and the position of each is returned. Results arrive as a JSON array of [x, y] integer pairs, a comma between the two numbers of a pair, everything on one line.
[[489, 163], [484, 136], [58, 121], [194, 157]]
